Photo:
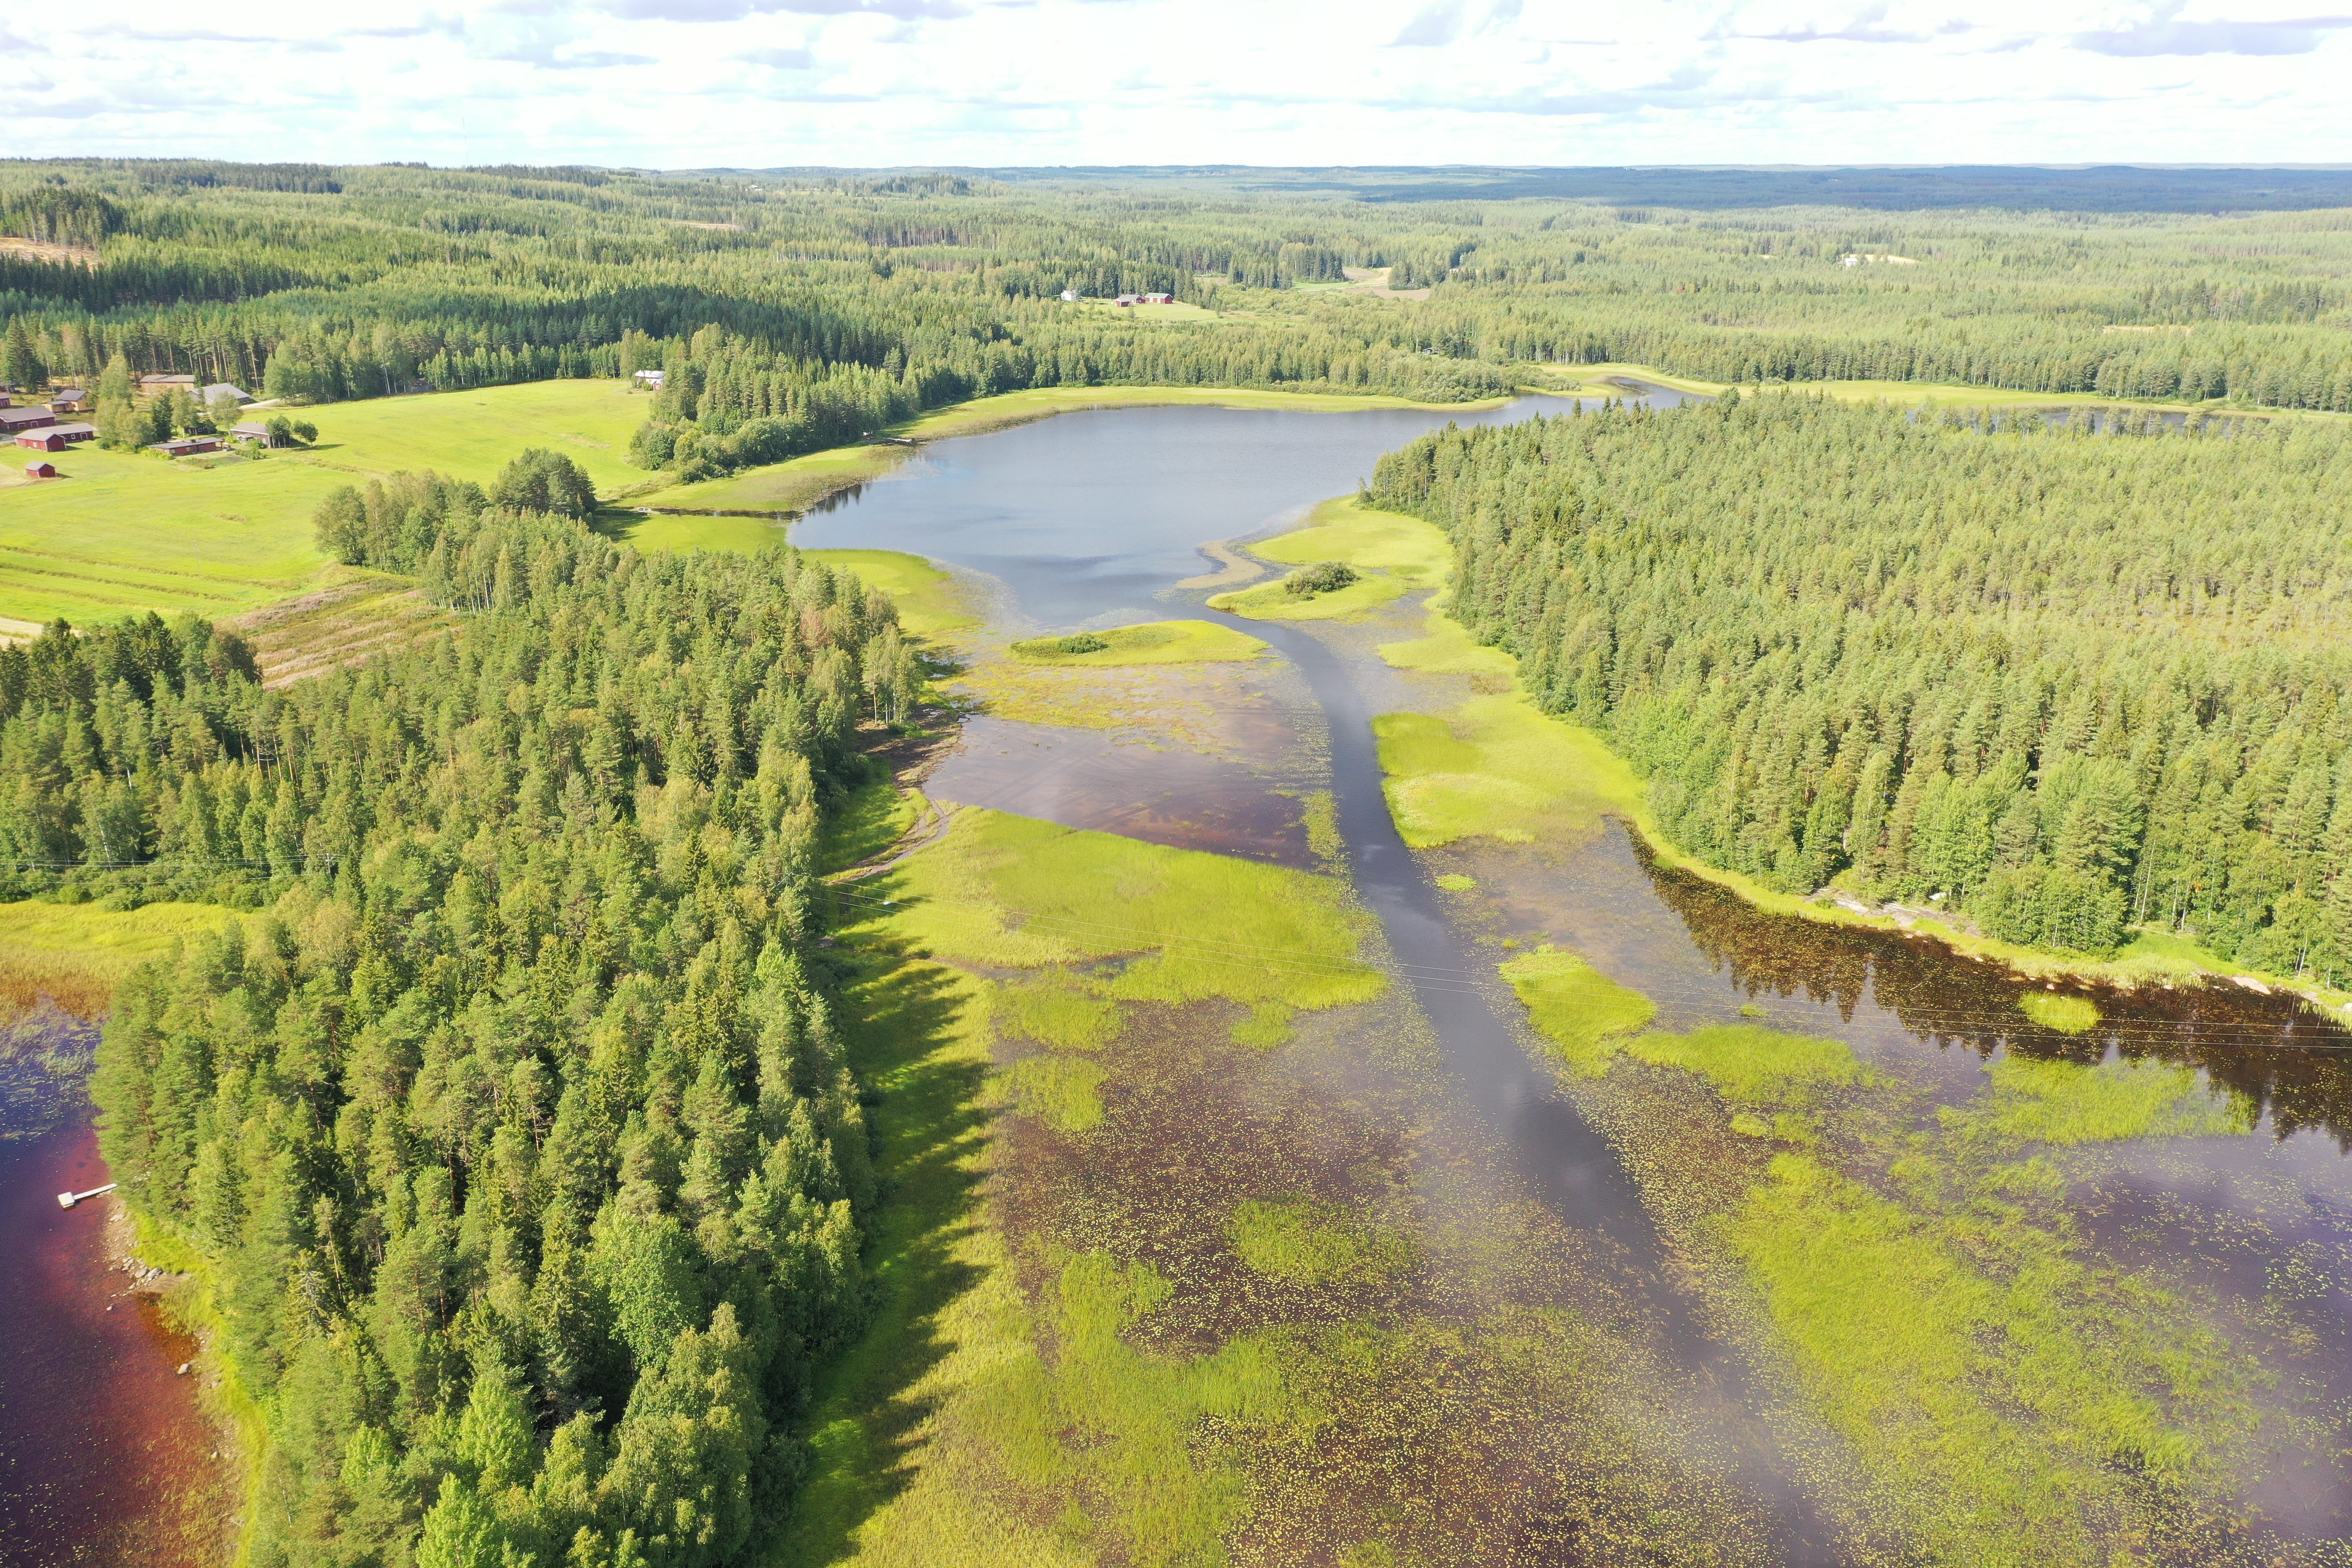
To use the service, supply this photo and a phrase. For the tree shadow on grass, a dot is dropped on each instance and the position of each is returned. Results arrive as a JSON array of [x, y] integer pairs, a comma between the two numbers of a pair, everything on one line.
[[900, 1024]]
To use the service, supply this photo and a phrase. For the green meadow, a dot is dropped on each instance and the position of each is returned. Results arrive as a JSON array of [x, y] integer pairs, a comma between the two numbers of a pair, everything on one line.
[[1155, 642], [124, 532], [74, 953]]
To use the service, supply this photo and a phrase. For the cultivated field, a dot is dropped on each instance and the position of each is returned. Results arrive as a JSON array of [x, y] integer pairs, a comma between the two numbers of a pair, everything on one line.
[[124, 532]]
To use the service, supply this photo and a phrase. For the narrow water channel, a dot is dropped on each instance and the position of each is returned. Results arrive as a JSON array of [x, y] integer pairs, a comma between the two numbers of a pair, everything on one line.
[[1566, 1160], [1093, 519]]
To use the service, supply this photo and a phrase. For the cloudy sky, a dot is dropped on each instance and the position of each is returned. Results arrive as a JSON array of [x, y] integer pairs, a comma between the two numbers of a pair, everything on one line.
[[681, 83]]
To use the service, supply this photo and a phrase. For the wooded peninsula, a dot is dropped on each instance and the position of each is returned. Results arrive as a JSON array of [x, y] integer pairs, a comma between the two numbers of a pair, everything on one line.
[[521, 1111]]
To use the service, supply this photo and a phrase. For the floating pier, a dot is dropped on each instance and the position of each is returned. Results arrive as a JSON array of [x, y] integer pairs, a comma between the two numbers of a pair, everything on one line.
[[67, 1200]]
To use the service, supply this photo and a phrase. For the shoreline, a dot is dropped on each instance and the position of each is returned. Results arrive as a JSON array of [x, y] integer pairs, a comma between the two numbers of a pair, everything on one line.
[[2152, 958]]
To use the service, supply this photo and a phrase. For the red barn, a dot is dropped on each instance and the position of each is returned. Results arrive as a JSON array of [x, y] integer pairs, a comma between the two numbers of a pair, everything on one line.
[[13, 420], [40, 471], [56, 437], [185, 444]]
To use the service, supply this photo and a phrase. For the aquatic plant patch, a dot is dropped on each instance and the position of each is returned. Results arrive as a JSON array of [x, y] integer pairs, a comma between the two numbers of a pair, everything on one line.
[[1750, 1065], [1497, 769], [1009, 891], [1314, 1243], [2032, 1101], [1056, 1009], [2067, 1015], [1156, 642], [1586, 1015], [1064, 1092], [2015, 1407]]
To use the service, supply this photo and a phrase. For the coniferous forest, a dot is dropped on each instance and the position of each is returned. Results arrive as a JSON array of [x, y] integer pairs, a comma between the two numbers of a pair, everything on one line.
[[2062, 678], [514, 1110], [512, 1127]]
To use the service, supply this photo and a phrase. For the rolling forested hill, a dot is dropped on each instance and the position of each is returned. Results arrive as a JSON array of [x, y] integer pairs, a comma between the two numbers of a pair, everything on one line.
[[512, 1107], [2066, 679]]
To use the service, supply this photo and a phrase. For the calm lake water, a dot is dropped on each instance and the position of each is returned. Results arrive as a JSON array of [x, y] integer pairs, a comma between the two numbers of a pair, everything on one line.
[[1091, 519], [1086, 516]]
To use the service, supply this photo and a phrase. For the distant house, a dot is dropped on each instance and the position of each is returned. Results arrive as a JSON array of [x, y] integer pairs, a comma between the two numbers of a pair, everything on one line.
[[649, 378], [40, 471], [56, 437], [69, 400], [5, 400], [205, 395], [1157, 300], [254, 430], [1124, 300], [186, 444], [1070, 295], [13, 420], [153, 385]]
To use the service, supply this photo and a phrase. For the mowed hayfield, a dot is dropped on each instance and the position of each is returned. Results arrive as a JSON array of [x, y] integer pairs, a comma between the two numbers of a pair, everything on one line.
[[124, 532]]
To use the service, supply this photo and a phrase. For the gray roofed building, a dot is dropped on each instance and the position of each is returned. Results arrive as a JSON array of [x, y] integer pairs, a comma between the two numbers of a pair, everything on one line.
[[206, 393]]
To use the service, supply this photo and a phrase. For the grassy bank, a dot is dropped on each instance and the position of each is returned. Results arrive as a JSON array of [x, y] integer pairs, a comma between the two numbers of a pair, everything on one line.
[[1496, 766], [74, 954]]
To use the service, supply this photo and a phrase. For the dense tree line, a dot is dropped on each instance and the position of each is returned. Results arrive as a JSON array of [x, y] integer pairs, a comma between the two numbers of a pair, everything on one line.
[[511, 1127], [358, 282], [2063, 681]]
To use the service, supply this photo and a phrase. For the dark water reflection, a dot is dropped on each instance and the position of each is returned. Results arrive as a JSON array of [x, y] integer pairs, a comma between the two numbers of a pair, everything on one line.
[[2291, 1064], [104, 1457], [1094, 517], [1094, 779]]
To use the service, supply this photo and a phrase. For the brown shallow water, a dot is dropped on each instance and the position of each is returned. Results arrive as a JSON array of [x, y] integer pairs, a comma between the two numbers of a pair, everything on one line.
[[105, 1458]]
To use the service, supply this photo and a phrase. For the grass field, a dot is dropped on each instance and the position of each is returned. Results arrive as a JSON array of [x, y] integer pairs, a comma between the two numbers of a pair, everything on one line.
[[74, 953], [1587, 380], [1155, 642], [124, 532], [930, 601]]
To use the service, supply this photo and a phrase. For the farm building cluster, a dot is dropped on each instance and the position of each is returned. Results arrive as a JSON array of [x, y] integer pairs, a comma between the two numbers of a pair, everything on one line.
[[38, 428], [1072, 296]]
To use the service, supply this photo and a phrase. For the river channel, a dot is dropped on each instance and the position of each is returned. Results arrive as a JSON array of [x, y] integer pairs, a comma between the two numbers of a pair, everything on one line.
[[1094, 520]]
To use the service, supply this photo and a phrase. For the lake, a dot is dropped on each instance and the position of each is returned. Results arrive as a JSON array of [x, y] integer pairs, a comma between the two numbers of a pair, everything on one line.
[[1094, 519]]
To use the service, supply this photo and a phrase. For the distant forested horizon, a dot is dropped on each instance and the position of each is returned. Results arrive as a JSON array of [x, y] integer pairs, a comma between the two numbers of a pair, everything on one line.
[[821, 304]]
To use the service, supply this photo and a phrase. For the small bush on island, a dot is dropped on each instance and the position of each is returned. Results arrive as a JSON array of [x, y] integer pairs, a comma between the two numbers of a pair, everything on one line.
[[1078, 642], [1323, 577]]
